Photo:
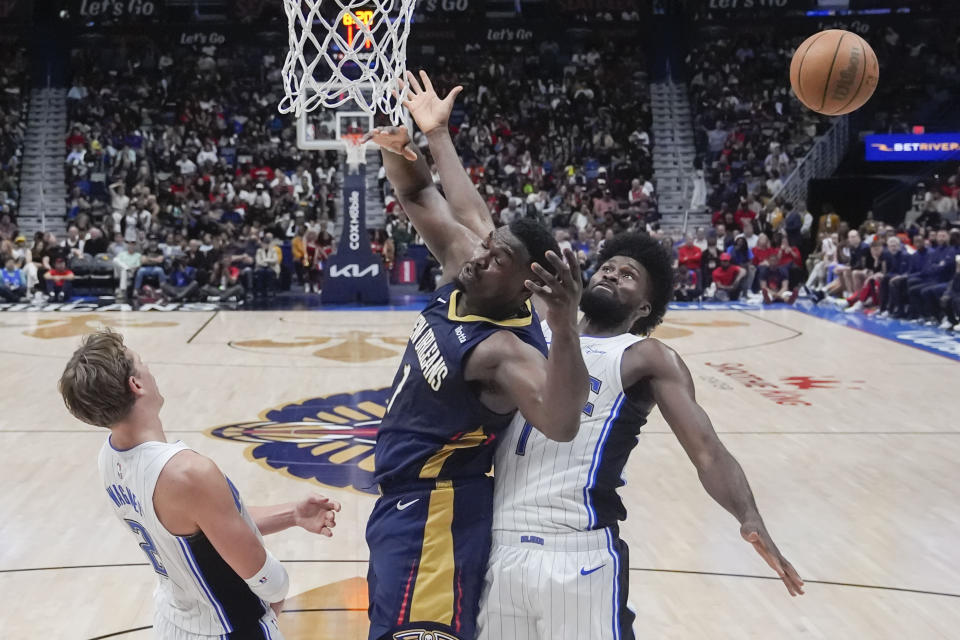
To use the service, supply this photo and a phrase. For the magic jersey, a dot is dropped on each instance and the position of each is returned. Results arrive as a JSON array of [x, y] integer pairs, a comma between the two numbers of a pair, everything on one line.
[[553, 487], [197, 591]]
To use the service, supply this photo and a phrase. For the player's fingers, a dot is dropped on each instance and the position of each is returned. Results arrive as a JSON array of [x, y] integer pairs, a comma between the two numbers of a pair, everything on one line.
[[453, 94], [414, 85], [573, 264], [537, 289], [427, 85], [794, 577], [409, 153], [563, 270], [544, 275], [326, 532], [368, 136], [335, 505]]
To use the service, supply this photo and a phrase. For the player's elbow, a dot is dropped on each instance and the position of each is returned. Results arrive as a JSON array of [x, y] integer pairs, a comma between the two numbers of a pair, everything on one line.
[[561, 429], [567, 432]]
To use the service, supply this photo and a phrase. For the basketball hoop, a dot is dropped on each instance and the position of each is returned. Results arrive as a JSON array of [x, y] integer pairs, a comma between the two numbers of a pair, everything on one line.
[[358, 44]]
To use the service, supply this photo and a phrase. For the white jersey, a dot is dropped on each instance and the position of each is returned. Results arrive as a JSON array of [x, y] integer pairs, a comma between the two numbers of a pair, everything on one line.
[[198, 595], [556, 487]]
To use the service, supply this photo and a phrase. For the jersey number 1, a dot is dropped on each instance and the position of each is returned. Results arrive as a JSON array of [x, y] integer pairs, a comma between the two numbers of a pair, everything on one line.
[[521, 449]]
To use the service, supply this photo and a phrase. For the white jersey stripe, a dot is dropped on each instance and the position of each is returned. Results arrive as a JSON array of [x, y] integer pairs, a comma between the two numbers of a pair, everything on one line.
[[595, 464], [616, 585], [192, 562]]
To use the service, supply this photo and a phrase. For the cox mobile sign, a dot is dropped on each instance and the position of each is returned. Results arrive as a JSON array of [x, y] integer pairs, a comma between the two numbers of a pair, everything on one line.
[[928, 147]]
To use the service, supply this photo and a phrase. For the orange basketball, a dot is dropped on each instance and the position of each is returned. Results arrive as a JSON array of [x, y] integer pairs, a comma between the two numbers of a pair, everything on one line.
[[834, 72]]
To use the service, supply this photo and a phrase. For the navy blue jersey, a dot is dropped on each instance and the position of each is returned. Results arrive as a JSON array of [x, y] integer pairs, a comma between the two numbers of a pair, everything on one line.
[[435, 427]]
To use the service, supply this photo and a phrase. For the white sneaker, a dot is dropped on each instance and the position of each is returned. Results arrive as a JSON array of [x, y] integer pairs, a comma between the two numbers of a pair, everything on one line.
[[883, 314], [39, 298], [306, 288], [841, 303], [857, 306], [930, 323], [946, 325], [956, 328]]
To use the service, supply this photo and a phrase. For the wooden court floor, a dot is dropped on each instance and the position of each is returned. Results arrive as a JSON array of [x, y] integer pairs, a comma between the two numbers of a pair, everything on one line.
[[851, 443]]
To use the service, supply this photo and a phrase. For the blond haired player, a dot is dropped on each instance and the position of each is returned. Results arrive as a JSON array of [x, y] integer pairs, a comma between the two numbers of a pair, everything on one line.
[[215, 577]]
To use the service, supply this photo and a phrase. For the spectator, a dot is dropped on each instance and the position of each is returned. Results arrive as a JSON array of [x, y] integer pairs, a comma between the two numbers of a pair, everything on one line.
[[700, 241], [872, 273], [748, 234], [151, 266], [13, 282], [850, 258], [73, 244], [741, 256], [124, 264], [229, 288], [267, 270], [925, 291], [59, 281], [896, 262], [775, 287], [950, 301], [727, 279], [793, 224], [182, 283], [95, 243], [689, 255], [824, 263], [23, 258]]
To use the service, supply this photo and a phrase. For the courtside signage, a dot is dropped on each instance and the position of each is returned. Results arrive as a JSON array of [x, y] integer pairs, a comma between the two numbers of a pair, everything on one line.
[[913, 148]]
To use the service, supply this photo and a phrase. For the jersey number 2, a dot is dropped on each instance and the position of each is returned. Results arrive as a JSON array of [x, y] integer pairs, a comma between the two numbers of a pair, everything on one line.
[[148, 547]]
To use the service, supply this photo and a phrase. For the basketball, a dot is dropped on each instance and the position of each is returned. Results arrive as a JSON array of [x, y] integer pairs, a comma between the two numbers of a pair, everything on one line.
[[834, 72]]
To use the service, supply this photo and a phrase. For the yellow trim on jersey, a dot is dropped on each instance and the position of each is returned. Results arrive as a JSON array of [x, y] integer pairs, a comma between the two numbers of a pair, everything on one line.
[[431, 468], [433, 591], [511, 322]]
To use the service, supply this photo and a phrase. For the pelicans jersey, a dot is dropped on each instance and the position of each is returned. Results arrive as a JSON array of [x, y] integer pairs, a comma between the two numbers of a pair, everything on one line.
[[556, 514], [429, 533], [198, 595]]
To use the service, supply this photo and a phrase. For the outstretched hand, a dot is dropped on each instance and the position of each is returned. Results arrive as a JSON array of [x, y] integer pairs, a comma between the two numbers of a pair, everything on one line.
[[394, 139], [429, 111], [317, 514], [756, 534], [560, 292]]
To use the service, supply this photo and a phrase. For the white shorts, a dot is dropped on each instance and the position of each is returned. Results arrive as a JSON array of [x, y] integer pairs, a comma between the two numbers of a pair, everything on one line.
[[166, 630], [556, 587]]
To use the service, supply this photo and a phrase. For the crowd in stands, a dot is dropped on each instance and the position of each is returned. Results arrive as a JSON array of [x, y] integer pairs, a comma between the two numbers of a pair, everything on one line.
[[13, 84], [182, 152], [185, 182], [183, 177], [750, 130]]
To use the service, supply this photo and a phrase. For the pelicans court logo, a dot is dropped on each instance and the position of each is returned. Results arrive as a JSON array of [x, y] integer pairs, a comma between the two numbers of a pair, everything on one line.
[[327, 440]]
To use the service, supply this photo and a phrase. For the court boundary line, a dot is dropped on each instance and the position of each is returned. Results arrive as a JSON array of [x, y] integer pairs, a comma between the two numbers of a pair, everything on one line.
[[721, 574], [877, 334], [204, 326]]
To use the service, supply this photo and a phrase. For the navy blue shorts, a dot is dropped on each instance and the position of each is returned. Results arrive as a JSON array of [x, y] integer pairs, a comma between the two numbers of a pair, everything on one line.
[[429, 546]]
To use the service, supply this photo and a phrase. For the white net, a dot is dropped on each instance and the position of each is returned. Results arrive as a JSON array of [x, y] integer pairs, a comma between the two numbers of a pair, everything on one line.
[[340, 48]]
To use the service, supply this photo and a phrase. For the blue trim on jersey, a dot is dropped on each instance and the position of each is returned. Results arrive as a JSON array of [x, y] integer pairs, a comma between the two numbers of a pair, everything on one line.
[[595, 463], [192, 563], [119, 450], [266, 631], [616, 585]]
